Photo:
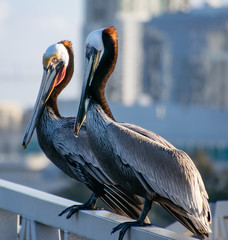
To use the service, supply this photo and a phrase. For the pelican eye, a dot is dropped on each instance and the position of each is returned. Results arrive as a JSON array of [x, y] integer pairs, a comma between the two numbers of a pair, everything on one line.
[[54, 60]]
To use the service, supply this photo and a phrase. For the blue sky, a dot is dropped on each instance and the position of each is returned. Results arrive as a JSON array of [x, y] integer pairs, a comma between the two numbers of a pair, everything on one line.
[[27, 28]]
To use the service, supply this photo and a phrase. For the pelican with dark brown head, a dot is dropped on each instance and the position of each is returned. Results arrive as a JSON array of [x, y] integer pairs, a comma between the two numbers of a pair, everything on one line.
[[140, 161]]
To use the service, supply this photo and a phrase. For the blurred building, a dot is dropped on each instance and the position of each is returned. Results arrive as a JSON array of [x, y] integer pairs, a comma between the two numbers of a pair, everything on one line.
[[152, 8], [10, 126], [99, 14], [10, 116], [128, 17], [186, 58]]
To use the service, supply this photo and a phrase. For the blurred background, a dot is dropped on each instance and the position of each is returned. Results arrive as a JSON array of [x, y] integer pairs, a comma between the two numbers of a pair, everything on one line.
[[171, 77]]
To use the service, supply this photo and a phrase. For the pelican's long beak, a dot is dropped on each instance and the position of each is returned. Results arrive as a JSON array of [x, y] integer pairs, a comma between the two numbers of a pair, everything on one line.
[[92, 61], [49, 79]]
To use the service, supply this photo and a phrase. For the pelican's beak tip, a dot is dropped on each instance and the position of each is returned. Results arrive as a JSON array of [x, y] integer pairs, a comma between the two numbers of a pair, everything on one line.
[[24, 143], [24, 146], [76, 130], [75, 134]]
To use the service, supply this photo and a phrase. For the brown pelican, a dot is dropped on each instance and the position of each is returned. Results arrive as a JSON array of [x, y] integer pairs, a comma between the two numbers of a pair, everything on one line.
[[140, 161], [55, 136]]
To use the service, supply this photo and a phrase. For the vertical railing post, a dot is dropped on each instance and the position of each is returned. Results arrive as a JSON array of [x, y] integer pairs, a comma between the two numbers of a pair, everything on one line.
[[46, 232]]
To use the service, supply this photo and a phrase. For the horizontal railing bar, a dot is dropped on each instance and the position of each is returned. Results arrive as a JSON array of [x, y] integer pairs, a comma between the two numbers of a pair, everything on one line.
[[44, 208]]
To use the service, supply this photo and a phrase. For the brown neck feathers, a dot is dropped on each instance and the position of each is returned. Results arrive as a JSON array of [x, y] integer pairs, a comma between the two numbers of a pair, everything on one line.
[[105, 68]]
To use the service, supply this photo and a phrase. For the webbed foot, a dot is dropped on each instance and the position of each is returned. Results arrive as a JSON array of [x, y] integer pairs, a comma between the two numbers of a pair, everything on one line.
[[123, 227], [88, 205]]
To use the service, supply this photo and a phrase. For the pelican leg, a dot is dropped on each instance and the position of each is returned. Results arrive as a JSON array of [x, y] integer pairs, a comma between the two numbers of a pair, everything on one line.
[[88, 205], [123, 227]]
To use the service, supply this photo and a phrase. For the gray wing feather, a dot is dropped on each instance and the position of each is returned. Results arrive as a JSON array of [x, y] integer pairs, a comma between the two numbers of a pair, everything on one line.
[[151, 135], [77, 150], [167, 170]]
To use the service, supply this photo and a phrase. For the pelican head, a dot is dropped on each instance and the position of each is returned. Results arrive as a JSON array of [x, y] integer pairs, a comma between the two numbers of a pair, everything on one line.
[[100, 59], [55, 62]]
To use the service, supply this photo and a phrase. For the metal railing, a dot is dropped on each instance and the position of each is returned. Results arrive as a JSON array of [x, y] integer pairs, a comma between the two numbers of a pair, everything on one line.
[[29, 214]]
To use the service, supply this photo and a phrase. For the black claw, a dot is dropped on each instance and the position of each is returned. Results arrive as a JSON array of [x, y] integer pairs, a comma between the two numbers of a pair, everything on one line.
[[75, 209], [65, 210], [123, 227], [71, 213], [60, 214], [118, 227], [88, 205], [122, 232], [72, 209]]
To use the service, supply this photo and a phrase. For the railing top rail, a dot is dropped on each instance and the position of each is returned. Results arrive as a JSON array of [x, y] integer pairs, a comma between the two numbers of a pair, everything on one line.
[[44, 208]]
